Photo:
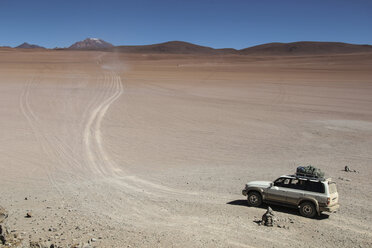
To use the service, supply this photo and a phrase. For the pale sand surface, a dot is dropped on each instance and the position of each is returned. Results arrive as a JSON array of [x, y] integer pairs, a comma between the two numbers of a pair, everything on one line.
[[148, 150]]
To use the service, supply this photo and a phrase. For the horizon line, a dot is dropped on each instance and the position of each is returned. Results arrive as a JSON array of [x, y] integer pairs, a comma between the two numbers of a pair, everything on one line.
[[149, 44]]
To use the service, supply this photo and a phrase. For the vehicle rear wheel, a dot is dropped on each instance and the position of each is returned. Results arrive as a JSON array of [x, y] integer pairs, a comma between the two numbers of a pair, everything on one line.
[[254, 199], [307, 209]]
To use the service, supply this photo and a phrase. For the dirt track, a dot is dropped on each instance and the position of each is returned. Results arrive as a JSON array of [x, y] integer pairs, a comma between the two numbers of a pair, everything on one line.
[[153, 150]]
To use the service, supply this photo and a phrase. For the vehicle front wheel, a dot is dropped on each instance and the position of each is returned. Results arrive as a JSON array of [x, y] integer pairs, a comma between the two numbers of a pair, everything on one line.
[[307, 209], [254, 199]]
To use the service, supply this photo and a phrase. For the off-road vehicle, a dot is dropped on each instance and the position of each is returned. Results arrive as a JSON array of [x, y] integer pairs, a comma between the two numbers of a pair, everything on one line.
[[310, 194]]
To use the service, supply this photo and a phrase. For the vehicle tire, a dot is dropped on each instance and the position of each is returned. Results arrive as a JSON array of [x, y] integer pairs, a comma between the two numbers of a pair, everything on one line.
[[307, 209], [254, 199]]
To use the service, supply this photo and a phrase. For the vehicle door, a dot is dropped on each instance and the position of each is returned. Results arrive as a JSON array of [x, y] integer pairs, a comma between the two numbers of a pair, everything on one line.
[[295, 190], [277, 192]]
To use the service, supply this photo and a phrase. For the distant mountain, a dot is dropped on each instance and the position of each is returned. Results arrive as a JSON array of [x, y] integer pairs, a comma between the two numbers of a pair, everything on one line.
[[305, 48], [29, 46], [91, 44], [175, 47]]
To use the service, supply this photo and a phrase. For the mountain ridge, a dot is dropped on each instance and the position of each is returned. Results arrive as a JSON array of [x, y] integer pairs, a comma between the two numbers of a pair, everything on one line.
[[29, 46], [182, 47], [274, 48], [305, 47], [177, 47]]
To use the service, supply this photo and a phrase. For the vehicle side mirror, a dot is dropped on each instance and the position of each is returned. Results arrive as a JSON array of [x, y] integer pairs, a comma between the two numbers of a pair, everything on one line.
[[271, 184]]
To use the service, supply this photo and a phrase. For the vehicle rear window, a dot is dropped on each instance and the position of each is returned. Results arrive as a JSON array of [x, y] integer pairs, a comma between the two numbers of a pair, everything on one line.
[[332, 187]]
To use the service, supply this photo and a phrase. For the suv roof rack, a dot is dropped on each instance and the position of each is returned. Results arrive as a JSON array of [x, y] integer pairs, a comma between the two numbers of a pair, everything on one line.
[[309, 177]]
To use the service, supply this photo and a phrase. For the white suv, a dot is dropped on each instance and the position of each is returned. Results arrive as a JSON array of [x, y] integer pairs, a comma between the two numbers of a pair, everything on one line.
[[311, 195]]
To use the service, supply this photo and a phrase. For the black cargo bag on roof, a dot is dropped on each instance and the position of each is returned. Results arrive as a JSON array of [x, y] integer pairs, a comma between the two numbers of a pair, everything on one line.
[[309, 171]]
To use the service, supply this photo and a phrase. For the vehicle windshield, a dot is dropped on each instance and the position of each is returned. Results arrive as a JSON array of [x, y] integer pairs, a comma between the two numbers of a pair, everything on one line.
[[332, 187]]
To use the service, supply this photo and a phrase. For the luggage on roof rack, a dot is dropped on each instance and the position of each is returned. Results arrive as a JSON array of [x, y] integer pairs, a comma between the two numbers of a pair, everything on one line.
[[310, 172]]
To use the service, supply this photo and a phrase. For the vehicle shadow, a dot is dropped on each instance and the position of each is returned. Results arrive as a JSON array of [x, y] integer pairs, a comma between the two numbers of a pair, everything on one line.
[[282, 209]]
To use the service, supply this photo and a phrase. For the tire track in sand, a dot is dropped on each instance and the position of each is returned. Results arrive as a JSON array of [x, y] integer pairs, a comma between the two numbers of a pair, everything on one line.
[[32, 119], [96, 158], [99, 160]]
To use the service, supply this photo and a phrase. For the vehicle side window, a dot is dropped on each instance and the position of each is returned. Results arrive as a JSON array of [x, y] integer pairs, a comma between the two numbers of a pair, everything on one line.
[[315, 187], [294, 181], [297, 184], [279, 182], [286, 183]]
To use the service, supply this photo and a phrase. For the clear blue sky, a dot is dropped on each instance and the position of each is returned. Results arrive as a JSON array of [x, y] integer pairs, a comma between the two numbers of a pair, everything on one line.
[[215, 23]]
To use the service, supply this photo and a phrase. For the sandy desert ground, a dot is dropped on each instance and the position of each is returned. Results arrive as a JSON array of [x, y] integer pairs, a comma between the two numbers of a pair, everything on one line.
[[154, 150]]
